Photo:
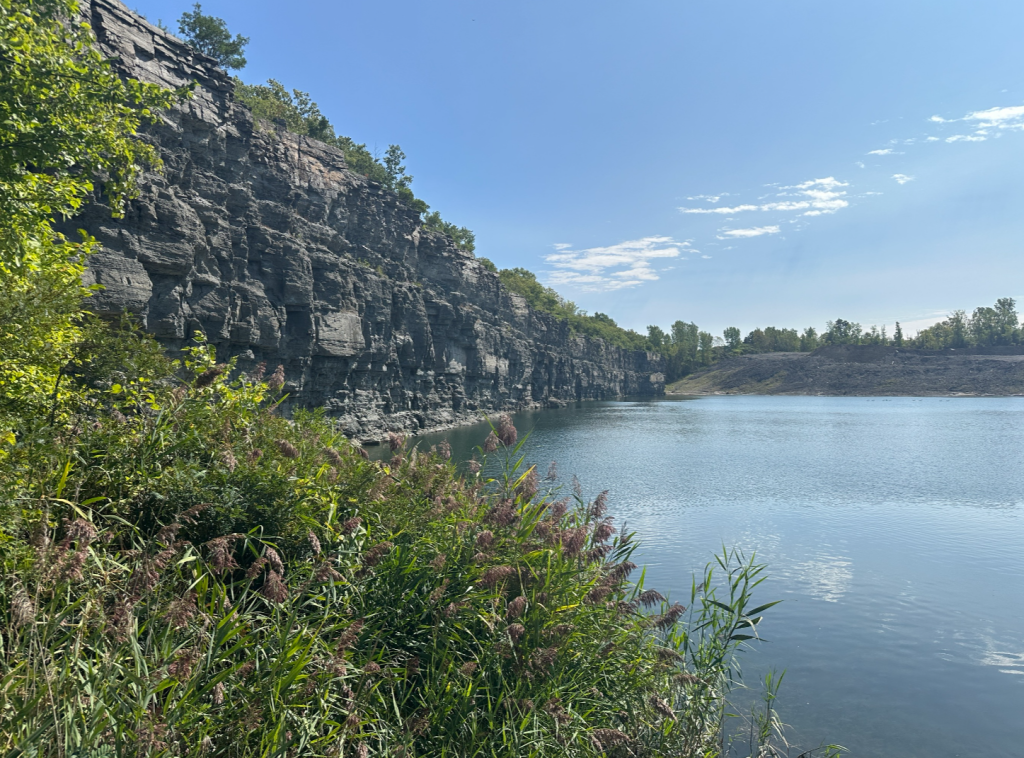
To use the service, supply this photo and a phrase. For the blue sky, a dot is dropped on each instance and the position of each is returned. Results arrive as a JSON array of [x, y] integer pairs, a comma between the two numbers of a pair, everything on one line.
[[734, 164]]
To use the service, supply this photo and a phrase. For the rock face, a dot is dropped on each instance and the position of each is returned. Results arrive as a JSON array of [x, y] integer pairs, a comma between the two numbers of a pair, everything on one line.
[[266, 242], [864, 370]]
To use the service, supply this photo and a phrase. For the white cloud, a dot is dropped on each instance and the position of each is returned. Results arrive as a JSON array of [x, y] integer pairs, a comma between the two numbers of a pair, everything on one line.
[[709, 198], [816, 197], [706, 256], [562, 245], [756, 231], [965, 138], [1000, 118], [932, 139], [884, 151], [859, 164], [626, 264], [902, 178], [723, 211]]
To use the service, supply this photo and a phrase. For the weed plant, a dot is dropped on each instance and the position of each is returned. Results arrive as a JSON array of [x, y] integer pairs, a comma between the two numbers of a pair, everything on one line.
[[185, 572]]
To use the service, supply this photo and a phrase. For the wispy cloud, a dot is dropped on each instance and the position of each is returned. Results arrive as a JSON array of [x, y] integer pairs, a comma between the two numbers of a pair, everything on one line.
[[1000, 118], [902, 178], [709, 198], [615, 267], [815, 198], [757, 231], [562, 245], [884, 151]]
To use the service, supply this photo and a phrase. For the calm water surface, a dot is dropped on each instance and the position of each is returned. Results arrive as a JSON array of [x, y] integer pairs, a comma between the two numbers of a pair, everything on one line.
[[892, 528]]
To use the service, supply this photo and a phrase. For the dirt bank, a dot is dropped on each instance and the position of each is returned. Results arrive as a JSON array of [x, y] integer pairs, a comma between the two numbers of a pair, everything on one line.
[[863, 370]]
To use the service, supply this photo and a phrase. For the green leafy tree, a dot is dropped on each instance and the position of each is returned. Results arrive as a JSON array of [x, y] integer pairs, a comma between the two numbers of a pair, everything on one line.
[[732, 338], [842, 332], [463, 238], [66, 118], [210, 36], [897, 336], [488, 264], [395, 169], [705, 347], [809, 340], [657, 337]]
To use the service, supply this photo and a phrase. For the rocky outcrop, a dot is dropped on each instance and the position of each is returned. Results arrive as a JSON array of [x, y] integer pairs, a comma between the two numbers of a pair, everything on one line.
[[266, 242], [864, 370]]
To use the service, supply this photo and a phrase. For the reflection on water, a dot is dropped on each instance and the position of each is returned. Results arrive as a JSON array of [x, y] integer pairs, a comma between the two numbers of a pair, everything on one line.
[[892, 528]]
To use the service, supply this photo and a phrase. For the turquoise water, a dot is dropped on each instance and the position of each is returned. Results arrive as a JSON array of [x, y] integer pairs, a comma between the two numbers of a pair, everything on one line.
[[893, 530]]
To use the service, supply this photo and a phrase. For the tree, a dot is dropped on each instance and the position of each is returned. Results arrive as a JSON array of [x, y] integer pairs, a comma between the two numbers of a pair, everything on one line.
[[897, 336], [809, 340], [732, 338], [463, 238], [396, 176], [706, 343], [210, 36], [657, 337], [66, 117], [842, 332]]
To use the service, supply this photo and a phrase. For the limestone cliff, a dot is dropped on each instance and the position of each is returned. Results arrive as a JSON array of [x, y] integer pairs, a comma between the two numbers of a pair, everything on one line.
[[270, 245]]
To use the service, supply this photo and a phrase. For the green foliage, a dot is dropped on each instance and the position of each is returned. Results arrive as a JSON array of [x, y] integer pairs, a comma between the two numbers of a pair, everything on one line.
[[66, 117], [301, 115], [193, 572], [488, 264], [809, 340], [841, 332], [463, 238], [732, 338], [524, 282], [210, 36], [541, 298], [772, 340]]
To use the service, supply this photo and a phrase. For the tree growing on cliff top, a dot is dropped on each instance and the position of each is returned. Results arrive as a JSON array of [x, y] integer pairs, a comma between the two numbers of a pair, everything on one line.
[[210, 36]]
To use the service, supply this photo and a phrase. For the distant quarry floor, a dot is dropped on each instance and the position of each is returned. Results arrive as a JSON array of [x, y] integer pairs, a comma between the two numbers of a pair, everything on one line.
[[863, 370]]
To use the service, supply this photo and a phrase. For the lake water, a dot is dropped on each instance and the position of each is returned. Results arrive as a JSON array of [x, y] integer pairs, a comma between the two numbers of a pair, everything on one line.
[[893, 529]]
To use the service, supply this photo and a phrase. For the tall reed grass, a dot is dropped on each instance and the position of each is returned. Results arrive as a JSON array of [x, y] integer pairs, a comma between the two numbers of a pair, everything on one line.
[[187, 573]]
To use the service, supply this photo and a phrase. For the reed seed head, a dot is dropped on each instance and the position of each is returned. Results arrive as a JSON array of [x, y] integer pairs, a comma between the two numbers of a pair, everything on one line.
[[287, 449], [516, 608], [276, 380], [209, 376], [490, 443], [274, 589], [507, 433], [274, 560]]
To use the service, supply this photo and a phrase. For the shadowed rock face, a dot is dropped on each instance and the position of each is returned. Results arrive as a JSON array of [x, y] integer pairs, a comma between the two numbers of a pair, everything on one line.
[[266, 242]]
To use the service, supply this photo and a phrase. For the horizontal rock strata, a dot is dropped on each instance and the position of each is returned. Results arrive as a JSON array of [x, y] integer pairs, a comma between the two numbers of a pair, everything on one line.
[[267, 243]]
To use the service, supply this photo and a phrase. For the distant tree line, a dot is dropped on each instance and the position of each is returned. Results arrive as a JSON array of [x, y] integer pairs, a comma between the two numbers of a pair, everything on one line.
[[686, 347]]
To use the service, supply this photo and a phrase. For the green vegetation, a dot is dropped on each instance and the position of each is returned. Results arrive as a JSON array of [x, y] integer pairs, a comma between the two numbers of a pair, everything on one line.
[[65, 118], [545, 299], [210, 36], [186, 572]]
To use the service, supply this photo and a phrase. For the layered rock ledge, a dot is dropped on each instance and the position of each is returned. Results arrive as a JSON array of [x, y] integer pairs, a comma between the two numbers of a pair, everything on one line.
[[266, 242]]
